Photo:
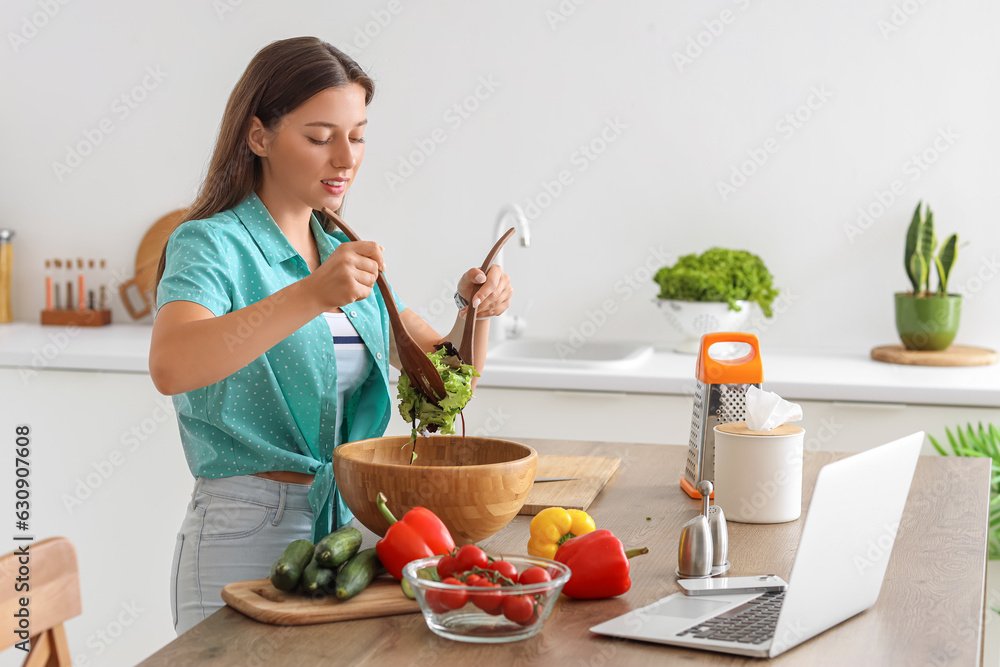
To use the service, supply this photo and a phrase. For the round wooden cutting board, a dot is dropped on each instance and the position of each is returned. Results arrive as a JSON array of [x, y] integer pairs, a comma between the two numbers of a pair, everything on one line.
[[956, 355], [147, 260]]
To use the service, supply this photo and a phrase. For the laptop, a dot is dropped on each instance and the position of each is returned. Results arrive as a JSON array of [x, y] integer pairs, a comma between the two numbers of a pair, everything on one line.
[[841, 561]]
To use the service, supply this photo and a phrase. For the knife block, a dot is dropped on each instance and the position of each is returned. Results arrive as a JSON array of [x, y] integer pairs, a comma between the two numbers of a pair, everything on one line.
[[76, 317]]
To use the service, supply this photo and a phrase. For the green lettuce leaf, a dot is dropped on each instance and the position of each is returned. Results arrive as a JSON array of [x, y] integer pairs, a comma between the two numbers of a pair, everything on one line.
[[426, 416]]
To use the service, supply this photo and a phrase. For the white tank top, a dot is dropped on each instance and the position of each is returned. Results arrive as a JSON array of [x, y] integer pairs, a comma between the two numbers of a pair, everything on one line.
[[354, 362]]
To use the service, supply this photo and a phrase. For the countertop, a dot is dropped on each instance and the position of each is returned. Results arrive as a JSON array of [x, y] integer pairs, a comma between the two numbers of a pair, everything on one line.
[[929, 611], [795, 374]]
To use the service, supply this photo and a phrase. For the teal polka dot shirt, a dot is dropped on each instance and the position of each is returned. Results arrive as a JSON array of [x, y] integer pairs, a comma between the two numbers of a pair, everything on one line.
[[280, 411]]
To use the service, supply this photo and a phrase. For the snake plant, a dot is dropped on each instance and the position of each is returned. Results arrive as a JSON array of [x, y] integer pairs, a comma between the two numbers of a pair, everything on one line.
[[983, 442], [919, 255]]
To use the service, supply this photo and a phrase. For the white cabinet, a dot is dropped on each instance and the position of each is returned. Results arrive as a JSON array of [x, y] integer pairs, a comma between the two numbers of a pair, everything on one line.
[[107, 472]]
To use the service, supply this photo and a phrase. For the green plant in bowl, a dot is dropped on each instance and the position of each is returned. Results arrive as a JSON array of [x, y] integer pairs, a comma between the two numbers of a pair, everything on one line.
[[718, 275], [927, 319], [984, 442]]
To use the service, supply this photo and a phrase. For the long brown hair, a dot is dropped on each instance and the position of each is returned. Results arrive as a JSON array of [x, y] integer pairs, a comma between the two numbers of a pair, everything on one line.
[[282, 75]]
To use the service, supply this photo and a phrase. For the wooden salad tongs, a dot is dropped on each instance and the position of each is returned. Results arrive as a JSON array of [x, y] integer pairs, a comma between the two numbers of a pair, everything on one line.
[[466, 349], [416, 364]]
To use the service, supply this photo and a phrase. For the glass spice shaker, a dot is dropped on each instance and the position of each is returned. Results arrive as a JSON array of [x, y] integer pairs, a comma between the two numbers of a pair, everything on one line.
[[6, 271]]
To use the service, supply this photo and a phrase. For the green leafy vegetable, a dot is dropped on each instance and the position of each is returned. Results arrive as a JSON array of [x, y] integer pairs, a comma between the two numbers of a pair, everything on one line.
[[718, 274], [425, 415]]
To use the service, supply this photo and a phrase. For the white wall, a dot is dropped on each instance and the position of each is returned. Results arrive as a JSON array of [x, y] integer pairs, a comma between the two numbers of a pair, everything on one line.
[[649, 197], [887, 96]]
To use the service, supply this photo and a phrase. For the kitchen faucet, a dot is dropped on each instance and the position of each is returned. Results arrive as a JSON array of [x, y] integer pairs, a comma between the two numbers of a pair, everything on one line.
[[509, 326]]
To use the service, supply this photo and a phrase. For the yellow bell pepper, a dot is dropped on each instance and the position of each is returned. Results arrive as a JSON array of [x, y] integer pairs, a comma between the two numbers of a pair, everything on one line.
[[553, 526]]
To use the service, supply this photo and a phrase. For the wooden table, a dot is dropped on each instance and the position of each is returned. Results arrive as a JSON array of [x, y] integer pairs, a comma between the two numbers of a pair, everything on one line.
[[930, 610]]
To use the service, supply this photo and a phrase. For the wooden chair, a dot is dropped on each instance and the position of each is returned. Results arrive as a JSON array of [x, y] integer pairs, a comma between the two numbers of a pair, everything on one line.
[[54, 597]]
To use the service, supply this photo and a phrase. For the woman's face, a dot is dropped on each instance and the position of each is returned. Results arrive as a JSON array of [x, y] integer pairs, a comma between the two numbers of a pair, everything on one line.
[[316, 152]]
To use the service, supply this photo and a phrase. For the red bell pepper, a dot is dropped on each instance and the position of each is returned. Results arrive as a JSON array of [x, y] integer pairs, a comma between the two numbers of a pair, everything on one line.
[[599, 565], [419, 534]]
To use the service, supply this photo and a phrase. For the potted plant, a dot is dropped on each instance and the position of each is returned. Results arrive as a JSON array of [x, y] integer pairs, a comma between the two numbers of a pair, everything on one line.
[[713, 292], [925, 319]]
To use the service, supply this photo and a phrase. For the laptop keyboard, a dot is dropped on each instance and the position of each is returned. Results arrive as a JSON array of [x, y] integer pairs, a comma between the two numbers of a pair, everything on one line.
[[750, 623]]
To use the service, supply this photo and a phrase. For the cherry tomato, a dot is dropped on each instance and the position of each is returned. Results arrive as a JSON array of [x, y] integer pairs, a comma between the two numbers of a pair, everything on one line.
[[453, 599], [506, 569], [473, 579], [446, 566], [433, 600], [470, 556], [533, 575], [520, 609], [488, 602]]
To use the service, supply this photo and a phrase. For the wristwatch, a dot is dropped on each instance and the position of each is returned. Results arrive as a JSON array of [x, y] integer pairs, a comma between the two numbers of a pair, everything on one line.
[[459, 301]]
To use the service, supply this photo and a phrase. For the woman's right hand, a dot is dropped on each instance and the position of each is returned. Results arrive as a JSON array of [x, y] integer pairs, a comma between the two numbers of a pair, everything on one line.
[[348, 274]]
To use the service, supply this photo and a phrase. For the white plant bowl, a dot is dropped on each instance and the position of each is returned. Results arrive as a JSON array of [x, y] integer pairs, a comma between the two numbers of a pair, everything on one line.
[[694, 319]]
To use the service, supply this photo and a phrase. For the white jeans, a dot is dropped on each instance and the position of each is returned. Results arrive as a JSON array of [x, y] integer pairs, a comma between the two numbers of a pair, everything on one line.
[[235, 528]]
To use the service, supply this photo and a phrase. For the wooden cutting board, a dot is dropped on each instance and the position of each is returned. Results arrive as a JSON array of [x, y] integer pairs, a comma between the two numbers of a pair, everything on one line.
[[261, 601], [593, 473], [955, 355]]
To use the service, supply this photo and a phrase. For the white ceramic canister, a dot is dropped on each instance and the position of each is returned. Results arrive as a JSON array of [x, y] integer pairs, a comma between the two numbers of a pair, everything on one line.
[[758, 474]]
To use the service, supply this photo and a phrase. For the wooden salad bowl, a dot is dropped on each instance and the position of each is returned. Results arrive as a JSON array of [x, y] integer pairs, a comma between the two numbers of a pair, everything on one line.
[[474, 485]]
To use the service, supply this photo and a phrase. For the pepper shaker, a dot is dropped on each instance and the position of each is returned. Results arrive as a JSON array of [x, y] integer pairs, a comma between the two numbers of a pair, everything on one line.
[[695, 552]]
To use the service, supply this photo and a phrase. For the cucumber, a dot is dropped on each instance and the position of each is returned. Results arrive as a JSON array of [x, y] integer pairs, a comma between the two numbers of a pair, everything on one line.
[[357, 573], [428, 573], [287, 570], [317, 579], [337, 547]]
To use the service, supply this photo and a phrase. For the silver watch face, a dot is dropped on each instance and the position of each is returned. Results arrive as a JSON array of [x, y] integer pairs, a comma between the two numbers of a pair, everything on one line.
[[459, 301]]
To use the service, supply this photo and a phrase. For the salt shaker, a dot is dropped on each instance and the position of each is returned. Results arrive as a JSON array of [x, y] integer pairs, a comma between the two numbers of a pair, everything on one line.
[[694, 553]]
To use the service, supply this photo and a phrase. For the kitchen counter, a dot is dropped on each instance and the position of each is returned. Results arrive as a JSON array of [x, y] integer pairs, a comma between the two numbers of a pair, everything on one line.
[[799, 374], [931, 603]]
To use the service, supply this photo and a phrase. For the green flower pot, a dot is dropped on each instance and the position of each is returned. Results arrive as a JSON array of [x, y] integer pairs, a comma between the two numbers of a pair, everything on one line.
[[927, 322]]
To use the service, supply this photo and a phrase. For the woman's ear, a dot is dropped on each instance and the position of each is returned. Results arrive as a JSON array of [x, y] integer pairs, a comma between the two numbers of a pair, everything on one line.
[[257, 137]]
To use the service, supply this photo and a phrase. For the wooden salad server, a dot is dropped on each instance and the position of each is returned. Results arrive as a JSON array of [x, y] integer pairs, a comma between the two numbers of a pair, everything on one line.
[[418, 367]]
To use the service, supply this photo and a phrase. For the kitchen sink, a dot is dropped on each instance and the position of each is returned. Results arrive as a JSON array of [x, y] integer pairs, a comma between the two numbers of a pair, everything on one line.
[[561, 354]]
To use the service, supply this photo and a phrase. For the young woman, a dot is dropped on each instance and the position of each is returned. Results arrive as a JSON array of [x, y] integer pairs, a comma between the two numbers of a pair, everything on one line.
[[270, 333]]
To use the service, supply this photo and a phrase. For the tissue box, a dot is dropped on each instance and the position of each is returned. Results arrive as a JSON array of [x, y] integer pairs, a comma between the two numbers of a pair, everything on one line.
[[758, 474]]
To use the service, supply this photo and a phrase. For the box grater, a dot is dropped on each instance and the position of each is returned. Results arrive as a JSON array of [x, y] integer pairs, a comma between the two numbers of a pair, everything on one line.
[[719, 398]]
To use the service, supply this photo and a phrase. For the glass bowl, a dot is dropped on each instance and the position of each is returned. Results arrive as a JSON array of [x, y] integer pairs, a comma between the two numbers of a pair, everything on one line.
[[470, 622]]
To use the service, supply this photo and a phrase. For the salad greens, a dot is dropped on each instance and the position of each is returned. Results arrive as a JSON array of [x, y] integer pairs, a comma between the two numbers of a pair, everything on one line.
[[718, 274], [426, 416]]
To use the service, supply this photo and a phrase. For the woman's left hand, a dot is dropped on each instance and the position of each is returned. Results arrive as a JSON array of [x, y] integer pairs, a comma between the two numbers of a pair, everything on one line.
[[492, 289]]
